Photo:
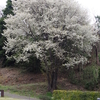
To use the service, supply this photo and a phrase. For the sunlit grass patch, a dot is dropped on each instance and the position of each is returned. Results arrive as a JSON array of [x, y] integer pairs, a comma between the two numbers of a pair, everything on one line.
[[5, 98]]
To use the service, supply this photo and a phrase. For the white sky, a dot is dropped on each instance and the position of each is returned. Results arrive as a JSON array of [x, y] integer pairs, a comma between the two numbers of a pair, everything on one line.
[[2, 3], [93, 6]]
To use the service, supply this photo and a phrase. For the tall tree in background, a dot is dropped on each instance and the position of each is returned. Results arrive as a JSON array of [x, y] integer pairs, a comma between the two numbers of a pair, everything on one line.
[[97, 18], [97, 21], [2, 39], [7, 11]]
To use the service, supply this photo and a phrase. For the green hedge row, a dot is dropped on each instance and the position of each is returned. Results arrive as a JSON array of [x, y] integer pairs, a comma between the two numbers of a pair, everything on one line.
[[75, 95]]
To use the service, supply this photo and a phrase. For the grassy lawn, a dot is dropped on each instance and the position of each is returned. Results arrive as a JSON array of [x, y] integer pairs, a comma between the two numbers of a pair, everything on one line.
[[37, 90], [32, 90], [5, 98]]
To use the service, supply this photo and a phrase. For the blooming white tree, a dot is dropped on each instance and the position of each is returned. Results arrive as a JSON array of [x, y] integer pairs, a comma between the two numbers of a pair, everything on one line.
[[56, 32]]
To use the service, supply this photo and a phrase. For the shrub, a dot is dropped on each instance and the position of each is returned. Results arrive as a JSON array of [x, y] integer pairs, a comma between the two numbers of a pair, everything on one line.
[[33, 65], [47, 96], [89, 77], [75, 95]]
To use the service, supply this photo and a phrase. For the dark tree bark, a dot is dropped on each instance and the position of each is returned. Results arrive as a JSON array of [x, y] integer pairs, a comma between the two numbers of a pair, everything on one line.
[[52, 80]]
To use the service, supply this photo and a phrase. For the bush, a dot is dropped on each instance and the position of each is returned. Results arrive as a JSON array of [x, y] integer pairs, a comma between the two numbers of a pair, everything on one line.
[[99, 76], [74, 76], [75, 95], [33, 65], [89, 77], [47, 96], [8, 62]]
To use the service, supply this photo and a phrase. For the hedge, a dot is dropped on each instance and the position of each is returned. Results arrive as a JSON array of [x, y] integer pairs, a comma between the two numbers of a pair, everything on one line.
[[75, 95]]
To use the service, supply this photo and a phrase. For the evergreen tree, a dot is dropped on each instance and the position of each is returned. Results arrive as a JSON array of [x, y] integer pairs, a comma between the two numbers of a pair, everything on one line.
[[8, 10], [2, 27]]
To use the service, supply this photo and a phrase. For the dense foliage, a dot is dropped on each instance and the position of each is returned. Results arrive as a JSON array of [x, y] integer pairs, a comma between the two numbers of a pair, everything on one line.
[[2, 27], [88, 77]]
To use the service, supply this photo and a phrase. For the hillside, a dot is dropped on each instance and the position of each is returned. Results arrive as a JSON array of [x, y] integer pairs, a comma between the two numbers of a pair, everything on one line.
[[14, 76]]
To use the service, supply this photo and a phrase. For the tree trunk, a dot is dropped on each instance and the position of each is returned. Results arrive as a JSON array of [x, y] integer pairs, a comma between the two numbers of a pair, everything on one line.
[[52, 80], [54, 83], [48, 79]]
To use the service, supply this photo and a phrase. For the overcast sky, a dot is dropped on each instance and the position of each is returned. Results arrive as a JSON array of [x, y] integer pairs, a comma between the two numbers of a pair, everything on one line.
[[2, 3], [93, 6]]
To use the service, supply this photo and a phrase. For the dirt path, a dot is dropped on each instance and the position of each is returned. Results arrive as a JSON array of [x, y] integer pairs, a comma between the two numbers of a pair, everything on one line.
[[7, 94]]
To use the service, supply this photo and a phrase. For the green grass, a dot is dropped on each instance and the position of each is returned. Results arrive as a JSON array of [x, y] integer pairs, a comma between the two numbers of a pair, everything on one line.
[[37, 90], [5, 98]]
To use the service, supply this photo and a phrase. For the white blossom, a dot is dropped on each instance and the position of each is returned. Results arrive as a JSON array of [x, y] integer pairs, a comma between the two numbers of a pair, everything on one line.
[[46, 29]]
